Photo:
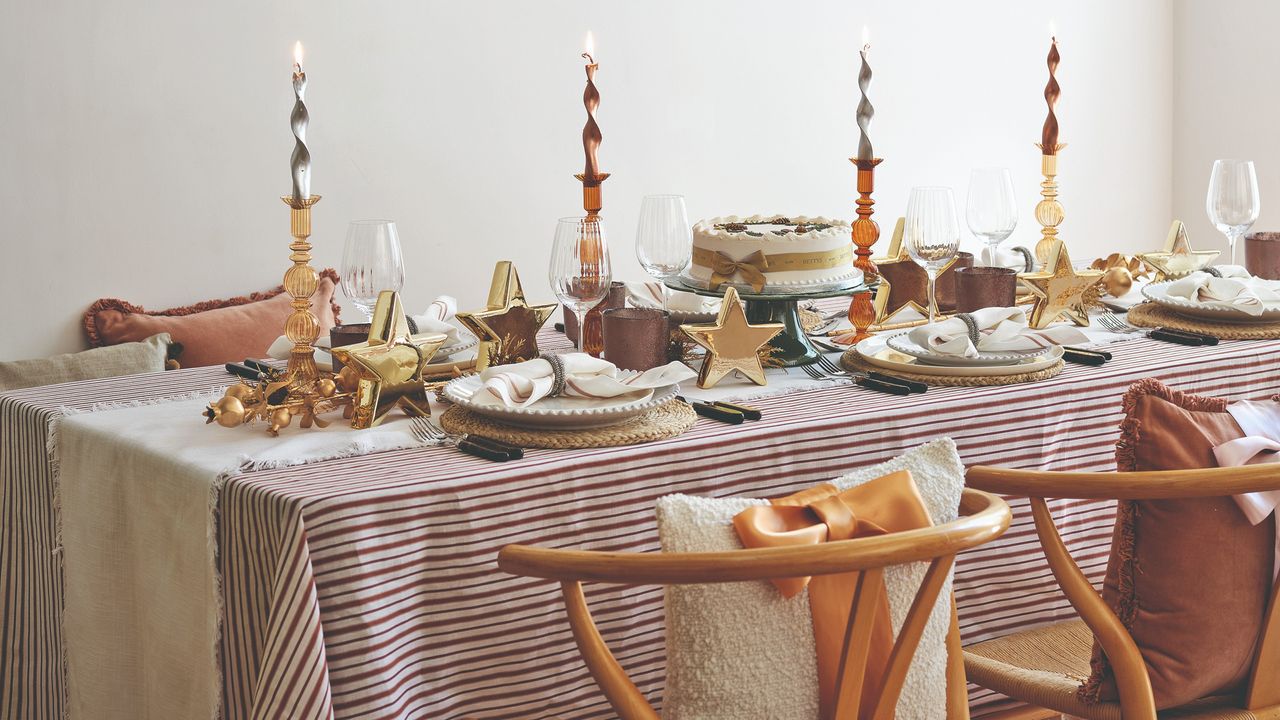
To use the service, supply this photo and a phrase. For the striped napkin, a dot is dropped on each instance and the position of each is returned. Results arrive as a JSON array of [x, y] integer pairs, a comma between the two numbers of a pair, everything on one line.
[[523, 384], [999, 328], [1236, 289]]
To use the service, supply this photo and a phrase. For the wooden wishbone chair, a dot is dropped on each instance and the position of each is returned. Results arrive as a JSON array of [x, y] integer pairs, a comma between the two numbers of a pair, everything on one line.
[[984, 517], [1043, 667]]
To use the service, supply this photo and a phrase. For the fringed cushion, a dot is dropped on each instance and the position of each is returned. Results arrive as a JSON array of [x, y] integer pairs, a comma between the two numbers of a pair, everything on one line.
[[741, 650], [1189, 578], [132, 358], [212, 332]]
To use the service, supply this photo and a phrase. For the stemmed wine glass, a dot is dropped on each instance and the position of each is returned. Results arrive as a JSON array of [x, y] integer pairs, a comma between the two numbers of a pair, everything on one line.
[[991, 210], [664, 239], [932, 234], [1232, 201], [580, 271], [371, 263]]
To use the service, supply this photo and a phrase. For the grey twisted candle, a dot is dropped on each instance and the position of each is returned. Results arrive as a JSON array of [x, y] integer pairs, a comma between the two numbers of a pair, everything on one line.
[[300, 162], [865, 110]]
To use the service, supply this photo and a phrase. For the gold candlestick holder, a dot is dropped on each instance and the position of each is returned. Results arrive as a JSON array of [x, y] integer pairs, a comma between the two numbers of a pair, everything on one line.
[[865, 234], [300, 281], [1049, 212]]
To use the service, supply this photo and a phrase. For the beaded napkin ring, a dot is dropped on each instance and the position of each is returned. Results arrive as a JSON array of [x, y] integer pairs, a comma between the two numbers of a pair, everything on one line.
[[1028, 260], [557, 372], [972, 326], [1213, 271]]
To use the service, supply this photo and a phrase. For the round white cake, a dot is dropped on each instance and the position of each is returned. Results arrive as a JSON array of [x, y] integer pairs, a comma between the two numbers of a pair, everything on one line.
[[772, 253]]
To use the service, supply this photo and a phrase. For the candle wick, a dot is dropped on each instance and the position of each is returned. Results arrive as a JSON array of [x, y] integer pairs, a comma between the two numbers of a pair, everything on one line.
[[590, 60], [866, 47]]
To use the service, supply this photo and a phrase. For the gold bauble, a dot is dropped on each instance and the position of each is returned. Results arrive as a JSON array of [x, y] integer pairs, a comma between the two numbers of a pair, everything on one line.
[[280, 417], [1117, 281], [326, 387], [228, 411], [245, 393], [348, 379]]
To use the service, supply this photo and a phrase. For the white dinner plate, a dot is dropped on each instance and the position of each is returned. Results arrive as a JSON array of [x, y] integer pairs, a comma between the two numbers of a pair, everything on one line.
[[559, 413], [876, 351], [1158, 294], [906, 346]]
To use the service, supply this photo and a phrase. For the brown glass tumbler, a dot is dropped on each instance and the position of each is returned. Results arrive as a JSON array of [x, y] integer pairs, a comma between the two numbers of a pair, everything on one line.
[[636, 338], [1262, 254], [592, 338], [340, 335], [983, 287], [947, 282]]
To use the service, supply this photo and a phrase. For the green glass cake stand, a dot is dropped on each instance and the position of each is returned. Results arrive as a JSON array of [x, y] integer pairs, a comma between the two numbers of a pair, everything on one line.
[[794, 348]]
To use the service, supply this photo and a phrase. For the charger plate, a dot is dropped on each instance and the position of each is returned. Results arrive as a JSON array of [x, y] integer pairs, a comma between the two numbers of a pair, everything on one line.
[[876, 352], [567, 413], [851, 360], [904, 345], [667, 420], [1158, 294], [1152, 315]]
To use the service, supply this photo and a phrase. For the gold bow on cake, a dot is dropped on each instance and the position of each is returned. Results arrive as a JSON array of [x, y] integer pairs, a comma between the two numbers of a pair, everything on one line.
[[826, 514], [751, 267]]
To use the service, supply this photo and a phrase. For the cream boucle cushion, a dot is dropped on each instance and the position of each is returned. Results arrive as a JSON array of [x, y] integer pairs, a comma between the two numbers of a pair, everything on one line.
[[124, 359], [739, 650]]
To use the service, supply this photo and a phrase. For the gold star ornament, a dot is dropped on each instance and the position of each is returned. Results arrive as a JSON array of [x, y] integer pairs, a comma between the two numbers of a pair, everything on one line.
[[904, 284], [1178, 259], [508, 325], [731, 343], [1059, 290], [388, 366]]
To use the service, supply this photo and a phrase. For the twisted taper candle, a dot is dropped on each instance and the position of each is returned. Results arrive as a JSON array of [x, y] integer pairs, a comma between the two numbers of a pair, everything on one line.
[[1049, 135], [300, 162], [591, 131], [865, 110]]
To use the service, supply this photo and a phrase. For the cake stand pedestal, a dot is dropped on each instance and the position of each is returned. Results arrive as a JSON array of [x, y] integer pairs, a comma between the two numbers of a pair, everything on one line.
[[794, 348]]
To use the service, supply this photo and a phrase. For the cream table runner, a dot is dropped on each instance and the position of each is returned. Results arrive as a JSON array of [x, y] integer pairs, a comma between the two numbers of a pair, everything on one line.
[[139, 489]]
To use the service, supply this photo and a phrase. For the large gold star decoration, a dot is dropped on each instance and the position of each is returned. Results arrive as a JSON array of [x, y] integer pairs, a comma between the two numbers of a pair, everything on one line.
[[731, 343], [508, 325], [1178, 259], [388, 366], [1059, 290], [904, 284]]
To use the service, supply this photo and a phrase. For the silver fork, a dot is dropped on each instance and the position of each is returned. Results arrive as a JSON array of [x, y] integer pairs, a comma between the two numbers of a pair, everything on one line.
[[1116, 324], [426, 431]]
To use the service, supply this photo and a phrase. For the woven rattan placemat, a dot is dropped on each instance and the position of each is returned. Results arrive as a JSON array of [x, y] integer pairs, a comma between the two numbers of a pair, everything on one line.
[[851, 360], [667, 420], [1152, 315]]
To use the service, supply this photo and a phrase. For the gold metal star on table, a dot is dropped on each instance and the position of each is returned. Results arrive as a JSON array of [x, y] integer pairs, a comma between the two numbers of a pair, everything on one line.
[[731, 343], [508, 326], [1059, 290], [389, 365], [904, 284], [1178, 259]]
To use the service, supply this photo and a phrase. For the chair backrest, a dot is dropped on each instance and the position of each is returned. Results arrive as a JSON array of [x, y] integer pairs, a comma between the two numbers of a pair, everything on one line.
[[984, 517], [1132, 682]]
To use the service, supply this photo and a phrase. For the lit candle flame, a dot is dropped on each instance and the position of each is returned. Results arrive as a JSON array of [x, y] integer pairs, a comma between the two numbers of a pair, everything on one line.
[[1053, 30], [590, 52], [297, 55], [866, 37]]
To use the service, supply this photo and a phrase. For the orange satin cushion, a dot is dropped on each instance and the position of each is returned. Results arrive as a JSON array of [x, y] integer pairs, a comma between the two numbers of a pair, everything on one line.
[[212, 332], [1189, 578]]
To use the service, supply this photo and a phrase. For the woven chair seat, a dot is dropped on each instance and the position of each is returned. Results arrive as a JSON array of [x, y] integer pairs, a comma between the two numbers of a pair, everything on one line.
[[1045, 666]]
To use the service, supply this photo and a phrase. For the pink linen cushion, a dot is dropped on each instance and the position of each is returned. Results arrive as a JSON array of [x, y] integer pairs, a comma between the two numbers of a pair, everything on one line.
[[212, 332]]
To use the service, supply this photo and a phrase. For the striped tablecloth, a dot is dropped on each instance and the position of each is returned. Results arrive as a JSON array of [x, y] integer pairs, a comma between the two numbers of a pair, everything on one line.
[[366, 587]]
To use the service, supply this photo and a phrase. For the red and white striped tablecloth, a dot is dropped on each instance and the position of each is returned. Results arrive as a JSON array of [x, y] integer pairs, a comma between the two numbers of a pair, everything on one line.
[[367, 588]]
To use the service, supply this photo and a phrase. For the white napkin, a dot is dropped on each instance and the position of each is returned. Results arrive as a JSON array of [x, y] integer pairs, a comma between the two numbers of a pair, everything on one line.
[[649, 295], [1236, 289], [999, 328], [523, 384], [436, 319], [1007, 258]]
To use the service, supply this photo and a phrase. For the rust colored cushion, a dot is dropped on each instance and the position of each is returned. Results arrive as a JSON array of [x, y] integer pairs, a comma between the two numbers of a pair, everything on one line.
[[212, 332], [1189, 578]]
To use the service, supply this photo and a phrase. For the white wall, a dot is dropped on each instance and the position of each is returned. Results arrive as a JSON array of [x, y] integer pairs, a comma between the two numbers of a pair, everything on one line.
[[1224, 106], [145, 142]]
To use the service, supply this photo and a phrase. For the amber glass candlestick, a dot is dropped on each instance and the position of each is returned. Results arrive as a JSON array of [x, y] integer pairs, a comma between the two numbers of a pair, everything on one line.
[[300, 281], [865, 234], [592, 332], [1049, 212]]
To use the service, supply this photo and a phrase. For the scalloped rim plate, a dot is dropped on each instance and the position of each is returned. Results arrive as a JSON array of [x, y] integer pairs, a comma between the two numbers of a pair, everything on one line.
[[906, 346], [876, 352], [1156, 293], [567, 417]]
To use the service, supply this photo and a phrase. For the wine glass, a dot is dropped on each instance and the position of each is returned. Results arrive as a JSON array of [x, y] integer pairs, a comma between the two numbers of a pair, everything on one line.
[[371, 263], [580, 271], [991, 211], [1232, 201], [664, 240], [932, 234]]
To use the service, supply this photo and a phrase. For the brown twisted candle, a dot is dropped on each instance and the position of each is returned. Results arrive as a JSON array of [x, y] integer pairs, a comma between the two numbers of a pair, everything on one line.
[[591, 131], [1049, 135]]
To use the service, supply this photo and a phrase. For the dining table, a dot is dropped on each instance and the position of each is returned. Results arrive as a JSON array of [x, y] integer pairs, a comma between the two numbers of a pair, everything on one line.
[[365, 584]]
